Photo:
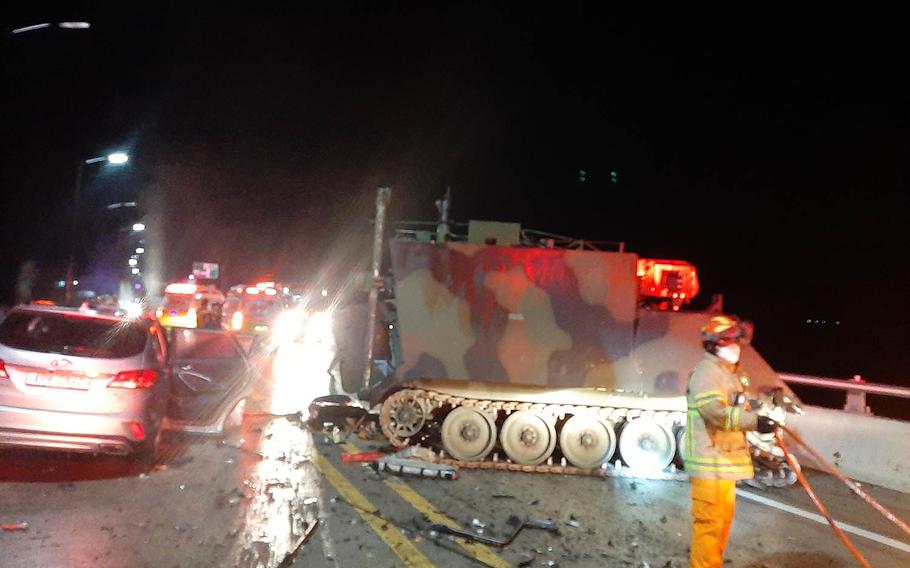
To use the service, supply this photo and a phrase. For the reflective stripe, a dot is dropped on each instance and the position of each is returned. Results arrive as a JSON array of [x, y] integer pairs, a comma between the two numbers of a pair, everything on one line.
[[735, 413], [738, 460], [745, 469], [702, 397]]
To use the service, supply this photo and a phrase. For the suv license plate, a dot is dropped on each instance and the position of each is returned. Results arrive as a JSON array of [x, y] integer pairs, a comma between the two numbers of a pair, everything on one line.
[[57, 381]]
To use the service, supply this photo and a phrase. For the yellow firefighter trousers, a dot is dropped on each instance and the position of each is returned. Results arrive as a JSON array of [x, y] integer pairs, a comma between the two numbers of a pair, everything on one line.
[[713, 505]]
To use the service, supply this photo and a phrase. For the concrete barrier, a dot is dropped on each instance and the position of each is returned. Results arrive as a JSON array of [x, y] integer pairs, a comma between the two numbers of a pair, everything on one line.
[[867, 448]]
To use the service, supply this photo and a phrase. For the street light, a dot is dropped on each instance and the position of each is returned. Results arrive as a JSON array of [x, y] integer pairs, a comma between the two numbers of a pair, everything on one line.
[[116, 158]]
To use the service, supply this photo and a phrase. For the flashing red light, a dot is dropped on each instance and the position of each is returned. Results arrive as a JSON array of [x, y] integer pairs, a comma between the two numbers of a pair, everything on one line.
[[44, 303], [3, 373], [141, 379], [180, 288], [672, 280], [137, 430]]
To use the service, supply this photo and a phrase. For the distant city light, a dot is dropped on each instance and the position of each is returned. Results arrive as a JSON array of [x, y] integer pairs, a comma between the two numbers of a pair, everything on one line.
[[75, 282], [325, 293], [135, 271], [192, 277], [138, 227], [61, 283], [133, 262], [74, 25], [118, 158], [285, 289], [140, 250]]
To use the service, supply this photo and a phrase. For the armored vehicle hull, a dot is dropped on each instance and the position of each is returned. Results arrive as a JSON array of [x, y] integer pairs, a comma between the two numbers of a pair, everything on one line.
[[533, 356]]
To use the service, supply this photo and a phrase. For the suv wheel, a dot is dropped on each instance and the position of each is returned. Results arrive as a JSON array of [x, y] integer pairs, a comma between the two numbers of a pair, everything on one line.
[[149, 452]]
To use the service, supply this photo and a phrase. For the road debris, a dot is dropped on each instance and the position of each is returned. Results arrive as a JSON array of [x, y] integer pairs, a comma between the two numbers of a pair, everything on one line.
[[11, 527], [232, 497], [292, 553], [416, 468], [542, 524], [361, 457], [181, 460]]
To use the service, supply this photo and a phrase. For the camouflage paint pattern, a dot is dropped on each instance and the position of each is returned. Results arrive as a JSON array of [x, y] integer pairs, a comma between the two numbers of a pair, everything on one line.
[[541, 317]]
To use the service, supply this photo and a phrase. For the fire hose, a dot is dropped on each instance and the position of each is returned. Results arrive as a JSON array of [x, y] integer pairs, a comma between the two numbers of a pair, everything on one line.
[[849, 483]]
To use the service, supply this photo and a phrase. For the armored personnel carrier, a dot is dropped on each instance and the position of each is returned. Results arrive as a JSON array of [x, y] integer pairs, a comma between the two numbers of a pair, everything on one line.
[[521, 350]]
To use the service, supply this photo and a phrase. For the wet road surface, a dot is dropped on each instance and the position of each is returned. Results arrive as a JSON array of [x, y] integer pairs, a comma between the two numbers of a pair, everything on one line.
[[245, 498]]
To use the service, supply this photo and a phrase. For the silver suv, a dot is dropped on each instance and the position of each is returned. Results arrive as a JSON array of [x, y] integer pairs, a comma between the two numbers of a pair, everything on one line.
[[78, 380]]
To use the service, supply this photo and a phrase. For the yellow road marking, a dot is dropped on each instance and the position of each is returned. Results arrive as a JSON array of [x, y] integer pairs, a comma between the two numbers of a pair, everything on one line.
[[406, 492], [400, 545]]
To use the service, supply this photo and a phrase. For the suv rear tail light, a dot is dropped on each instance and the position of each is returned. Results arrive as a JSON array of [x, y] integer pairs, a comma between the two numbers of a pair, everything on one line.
[[141, 379], [3, 373]]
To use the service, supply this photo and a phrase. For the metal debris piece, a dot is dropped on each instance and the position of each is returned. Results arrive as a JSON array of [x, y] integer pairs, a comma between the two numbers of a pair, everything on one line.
[[416, 452], [292, 553], [543, 524], [573, 523], [417, 468], [503, 496], [477, 524], [10, 527], [143, 476]]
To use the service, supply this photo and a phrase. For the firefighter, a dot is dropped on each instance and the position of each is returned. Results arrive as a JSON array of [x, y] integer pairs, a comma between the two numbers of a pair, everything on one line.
[[716, 453]]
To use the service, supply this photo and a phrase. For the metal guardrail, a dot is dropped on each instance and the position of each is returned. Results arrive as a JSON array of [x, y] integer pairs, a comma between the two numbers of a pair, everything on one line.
[[856, 389]]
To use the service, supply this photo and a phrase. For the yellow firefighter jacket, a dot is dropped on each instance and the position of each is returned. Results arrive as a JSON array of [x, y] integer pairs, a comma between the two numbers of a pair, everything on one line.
[[714, 445]]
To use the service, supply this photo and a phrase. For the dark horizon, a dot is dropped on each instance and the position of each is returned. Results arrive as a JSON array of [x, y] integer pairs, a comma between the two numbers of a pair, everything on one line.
[[771, 154]]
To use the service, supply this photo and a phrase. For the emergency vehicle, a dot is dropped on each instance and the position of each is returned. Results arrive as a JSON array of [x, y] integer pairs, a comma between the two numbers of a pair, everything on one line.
[[184, 300], [253, 308]]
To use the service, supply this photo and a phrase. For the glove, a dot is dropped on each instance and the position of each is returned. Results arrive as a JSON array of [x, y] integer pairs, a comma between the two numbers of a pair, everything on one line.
[[766, 425]]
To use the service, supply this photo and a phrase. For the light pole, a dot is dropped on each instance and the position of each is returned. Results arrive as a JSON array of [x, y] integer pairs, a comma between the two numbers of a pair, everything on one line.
[[116, 158]]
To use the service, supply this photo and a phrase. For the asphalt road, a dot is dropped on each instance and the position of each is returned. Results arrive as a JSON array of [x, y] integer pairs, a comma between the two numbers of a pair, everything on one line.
[[245, 499]]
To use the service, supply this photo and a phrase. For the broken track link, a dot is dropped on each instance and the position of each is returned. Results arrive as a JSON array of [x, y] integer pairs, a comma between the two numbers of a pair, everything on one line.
[[432, 400]]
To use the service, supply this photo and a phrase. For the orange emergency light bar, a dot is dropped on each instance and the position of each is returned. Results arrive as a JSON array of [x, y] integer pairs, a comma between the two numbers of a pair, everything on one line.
[[673, 281]]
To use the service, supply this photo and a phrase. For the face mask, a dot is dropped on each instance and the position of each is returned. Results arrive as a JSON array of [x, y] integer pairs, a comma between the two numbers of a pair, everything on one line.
[[729, 353]]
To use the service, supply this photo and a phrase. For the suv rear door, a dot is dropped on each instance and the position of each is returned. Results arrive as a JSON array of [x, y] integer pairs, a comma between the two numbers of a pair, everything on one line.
[[209, 375]]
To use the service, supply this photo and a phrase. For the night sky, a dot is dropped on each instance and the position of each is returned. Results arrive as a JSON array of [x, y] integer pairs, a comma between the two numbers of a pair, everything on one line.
[[770, 152]]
